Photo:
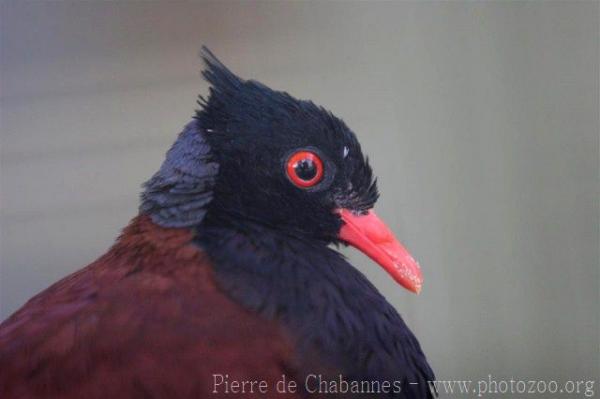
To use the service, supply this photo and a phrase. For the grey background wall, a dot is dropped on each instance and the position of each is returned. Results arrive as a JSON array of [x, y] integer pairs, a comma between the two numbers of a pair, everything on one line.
[[481, 119]]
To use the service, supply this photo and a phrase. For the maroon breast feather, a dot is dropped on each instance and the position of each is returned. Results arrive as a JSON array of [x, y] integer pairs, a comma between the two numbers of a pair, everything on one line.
[[144, 320]]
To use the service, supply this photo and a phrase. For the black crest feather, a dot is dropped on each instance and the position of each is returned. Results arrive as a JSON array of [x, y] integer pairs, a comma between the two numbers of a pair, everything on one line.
[[221, 79]]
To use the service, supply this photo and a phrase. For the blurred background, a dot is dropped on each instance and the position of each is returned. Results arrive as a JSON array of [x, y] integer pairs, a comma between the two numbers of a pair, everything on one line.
[[481, 119]]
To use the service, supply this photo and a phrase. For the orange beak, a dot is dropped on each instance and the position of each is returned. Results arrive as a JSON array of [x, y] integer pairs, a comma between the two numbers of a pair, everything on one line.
[[370, 235]]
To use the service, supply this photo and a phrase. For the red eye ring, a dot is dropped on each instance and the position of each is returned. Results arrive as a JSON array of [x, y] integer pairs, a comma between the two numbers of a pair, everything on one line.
[[304, 159]]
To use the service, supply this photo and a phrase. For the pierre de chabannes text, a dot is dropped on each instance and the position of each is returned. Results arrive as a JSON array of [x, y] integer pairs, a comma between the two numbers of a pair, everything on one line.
[[316, 383]]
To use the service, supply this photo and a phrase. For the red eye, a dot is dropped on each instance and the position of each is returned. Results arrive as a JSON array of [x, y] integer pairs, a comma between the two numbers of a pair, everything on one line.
[[304, 168]]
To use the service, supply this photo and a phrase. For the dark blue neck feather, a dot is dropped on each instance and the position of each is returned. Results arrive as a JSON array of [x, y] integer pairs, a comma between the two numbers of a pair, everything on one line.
[[327, 305], [179, 193]]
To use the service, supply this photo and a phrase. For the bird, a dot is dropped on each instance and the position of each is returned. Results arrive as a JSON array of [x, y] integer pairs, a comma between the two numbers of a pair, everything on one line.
[[228, 282]]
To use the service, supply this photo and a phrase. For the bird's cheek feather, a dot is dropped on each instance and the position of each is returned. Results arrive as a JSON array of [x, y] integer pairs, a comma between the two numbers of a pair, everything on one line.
[[370, 235]]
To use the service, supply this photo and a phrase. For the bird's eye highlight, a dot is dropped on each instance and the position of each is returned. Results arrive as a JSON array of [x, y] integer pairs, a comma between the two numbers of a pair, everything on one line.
[[304, 169]]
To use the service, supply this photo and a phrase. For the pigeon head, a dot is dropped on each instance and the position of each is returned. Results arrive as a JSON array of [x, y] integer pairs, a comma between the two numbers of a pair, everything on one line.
[[256, 157], [284, 163]]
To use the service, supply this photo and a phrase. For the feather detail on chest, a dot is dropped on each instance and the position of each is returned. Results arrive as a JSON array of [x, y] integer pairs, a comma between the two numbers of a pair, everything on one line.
[[146, 319], [339, 322]]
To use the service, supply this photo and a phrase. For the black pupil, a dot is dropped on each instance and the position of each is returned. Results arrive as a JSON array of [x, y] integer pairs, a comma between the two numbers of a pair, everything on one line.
[[306, 169]]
